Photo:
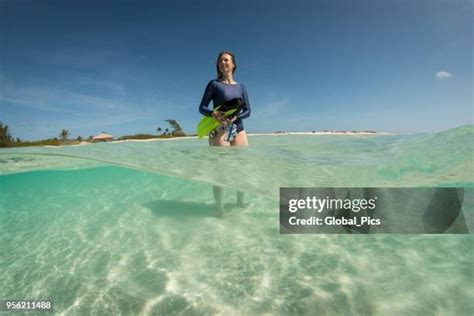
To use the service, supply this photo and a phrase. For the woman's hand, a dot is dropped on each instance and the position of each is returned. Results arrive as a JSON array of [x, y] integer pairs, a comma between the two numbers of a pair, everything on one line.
[[229, 121], [218, 116]]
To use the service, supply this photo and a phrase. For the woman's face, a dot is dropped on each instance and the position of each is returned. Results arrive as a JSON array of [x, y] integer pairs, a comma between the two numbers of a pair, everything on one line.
[[226, 64]]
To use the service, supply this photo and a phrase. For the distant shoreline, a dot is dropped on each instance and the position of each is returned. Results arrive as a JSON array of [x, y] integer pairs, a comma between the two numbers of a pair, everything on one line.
[[324, 133], [352, 133]]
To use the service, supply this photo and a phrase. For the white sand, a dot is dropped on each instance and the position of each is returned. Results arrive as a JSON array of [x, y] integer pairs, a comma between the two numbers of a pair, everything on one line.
[[258, 134], [249, 134]]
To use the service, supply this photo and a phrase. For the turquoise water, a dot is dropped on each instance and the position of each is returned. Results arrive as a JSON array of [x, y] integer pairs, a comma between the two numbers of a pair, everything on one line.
[[130, 228]]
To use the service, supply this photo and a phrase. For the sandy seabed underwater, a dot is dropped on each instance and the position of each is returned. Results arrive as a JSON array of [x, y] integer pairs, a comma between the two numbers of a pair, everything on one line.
[[130, 228]]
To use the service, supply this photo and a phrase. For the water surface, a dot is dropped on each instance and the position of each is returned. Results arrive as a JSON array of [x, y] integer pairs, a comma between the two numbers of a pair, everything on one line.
[[130, 228]]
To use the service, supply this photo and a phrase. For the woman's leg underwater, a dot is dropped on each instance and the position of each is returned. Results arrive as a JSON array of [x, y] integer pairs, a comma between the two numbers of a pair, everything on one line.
[[219, 199], [218, 140], [240, 140]]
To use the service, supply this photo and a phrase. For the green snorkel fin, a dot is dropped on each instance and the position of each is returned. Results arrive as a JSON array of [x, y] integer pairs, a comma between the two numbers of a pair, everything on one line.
[[208, 123]]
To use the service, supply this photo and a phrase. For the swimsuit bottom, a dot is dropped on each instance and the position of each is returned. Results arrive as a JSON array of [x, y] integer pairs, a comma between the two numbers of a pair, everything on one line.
[[239, 126]]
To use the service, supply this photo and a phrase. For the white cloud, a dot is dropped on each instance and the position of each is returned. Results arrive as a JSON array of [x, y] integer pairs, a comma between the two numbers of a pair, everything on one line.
[[443, 74]]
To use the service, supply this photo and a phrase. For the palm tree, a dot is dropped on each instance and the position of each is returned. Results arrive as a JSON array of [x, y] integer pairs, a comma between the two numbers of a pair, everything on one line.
[[64, 135], [177, 130], [5, 137], [166, 131], [158, 129]]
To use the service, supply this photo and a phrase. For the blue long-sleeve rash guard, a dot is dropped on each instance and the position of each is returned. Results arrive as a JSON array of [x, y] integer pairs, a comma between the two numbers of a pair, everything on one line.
[[220, 93]]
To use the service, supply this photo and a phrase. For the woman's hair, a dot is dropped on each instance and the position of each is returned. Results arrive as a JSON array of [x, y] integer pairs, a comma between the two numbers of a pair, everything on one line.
[[219, 74]]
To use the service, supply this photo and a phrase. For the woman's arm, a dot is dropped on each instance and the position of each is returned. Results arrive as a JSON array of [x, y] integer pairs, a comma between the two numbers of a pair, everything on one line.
[[246, 109], [206, 98]]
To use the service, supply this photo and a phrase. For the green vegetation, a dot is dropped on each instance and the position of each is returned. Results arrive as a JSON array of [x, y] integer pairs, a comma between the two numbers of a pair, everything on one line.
[[64, 135], [6, 139], [44, 142], [143, 136], [177, 130]]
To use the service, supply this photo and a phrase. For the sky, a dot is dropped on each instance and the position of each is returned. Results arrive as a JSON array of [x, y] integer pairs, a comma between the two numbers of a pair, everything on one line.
[[123, 67]]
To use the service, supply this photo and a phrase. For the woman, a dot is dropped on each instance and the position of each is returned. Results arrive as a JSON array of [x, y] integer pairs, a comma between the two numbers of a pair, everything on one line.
[[231, 131]]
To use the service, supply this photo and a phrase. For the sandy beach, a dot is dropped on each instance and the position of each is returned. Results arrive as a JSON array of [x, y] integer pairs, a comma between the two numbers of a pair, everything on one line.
[[256, 134]]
